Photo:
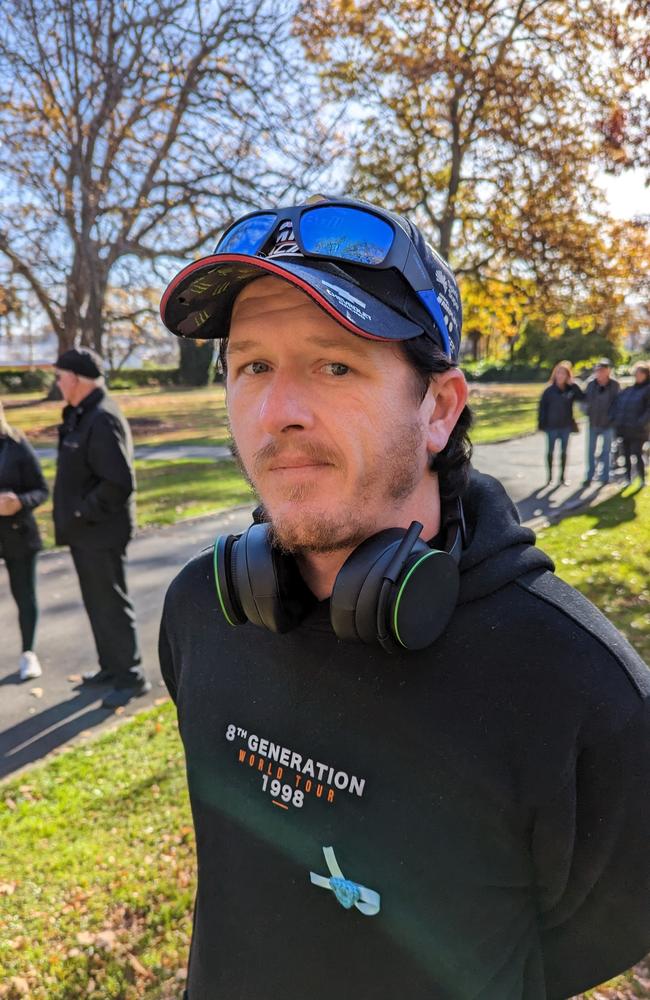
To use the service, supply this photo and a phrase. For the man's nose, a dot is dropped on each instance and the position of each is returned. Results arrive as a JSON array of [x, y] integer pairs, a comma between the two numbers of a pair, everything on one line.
[[285, 405]]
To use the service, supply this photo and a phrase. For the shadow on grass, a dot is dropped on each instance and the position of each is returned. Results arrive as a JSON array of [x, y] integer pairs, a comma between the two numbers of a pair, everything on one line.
[[610, 513], [609, 569], [617, 510]]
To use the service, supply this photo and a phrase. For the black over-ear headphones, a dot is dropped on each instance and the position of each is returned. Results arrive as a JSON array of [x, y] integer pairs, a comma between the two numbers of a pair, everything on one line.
[[393, 589]]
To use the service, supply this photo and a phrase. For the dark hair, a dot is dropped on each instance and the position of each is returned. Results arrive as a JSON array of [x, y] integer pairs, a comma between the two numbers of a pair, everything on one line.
[[453, 463], [427, 360]]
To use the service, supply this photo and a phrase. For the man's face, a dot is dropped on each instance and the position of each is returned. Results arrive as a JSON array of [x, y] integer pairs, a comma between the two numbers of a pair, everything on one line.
[[327, 424], [67, 383], [602, 375]]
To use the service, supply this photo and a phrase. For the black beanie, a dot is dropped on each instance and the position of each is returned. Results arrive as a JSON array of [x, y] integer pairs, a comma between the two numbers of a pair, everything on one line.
[[82, 361]]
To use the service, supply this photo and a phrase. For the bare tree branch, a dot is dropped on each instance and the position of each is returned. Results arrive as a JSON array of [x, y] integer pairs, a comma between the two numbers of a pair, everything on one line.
[[137, 130]]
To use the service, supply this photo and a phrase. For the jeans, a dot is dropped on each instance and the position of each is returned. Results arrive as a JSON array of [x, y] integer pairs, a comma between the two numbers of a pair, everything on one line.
[[607, 434]]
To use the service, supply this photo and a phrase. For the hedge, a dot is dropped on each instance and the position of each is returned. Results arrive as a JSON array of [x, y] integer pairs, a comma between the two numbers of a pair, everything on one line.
[[131, 378], [503, 371], [40, 379], [25, 379]]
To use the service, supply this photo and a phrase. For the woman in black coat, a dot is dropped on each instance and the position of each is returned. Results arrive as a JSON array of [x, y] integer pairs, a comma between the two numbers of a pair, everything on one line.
[[22, 488], [556, 415], [631, 415]]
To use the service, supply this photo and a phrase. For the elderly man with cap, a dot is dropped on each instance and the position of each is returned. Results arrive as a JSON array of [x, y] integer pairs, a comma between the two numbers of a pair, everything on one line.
[[418, 761], [94, 514], [600, 395]]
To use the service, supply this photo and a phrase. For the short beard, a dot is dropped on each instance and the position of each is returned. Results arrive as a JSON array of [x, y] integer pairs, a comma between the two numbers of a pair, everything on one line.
[[316, 533], [395, 475]]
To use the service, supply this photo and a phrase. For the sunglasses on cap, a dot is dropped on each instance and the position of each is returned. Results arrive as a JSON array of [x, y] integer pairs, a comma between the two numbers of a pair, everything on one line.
[[339, 231]]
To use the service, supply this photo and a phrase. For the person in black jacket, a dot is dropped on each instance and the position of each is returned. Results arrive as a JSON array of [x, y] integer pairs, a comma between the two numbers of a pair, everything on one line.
[[22, 489], [631, 415], [556, 415], [418, 762], [94, 513]]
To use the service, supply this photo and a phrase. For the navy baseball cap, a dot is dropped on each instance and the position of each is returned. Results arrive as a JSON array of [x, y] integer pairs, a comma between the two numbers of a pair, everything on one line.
[[369, 269]]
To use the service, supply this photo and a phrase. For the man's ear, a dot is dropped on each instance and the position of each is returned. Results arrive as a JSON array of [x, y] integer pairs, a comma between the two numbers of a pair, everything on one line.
[[446, 398]]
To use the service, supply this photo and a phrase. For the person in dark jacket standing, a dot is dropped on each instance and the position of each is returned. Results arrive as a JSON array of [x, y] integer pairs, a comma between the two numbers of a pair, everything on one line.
[[94, 514], [418, 761], [22, 489], [600, 395], [631, 415], [556, 415]]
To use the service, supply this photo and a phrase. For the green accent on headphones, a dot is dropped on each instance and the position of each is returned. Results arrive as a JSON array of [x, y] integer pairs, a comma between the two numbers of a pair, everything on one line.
[[216, 580], [401, 591]]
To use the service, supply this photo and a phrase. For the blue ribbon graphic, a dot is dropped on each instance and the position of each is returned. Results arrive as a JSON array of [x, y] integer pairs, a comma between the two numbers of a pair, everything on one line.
[[348, 893]]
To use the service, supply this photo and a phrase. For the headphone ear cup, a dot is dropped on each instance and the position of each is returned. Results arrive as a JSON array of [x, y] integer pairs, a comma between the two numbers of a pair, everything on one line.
[[226, 590], [355, 596], [268, 583], [240, 570], [423, 599]]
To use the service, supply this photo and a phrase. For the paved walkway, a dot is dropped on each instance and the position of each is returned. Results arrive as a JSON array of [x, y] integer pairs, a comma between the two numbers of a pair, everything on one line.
[[38, 717], [520, 464]]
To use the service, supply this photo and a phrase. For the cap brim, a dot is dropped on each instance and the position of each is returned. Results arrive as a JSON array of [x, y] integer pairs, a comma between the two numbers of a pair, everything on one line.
[[198, 302]]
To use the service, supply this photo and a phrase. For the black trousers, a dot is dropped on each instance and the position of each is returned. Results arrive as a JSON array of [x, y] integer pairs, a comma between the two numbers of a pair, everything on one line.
[[22, 582], [102, 578], [633, 447]]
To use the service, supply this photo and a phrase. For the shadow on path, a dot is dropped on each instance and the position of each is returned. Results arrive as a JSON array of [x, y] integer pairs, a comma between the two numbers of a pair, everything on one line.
[[32, 738], [544, 502], [24, 404]]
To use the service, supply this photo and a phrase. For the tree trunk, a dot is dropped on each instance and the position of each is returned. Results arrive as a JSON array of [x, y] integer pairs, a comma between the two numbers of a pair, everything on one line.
[[94, 318], [195, 361], [54, 393], [474, 337]]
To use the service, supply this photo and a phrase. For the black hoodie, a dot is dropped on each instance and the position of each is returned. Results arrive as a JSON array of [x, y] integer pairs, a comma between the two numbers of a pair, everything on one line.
[[469, 821]]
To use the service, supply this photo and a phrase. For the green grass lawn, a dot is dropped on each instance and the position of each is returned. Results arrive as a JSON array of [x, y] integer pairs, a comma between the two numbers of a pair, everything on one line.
[[504, 411], [605, 553], [169, 491], [198, 416], [97, 872], [97, 869], [157, 416]]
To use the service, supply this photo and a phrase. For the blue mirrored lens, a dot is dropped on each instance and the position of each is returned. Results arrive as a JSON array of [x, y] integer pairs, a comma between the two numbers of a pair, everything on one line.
[[346, 234], [248, 236]]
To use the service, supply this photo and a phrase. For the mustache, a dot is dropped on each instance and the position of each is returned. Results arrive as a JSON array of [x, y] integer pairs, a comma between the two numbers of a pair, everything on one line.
[[314, 452]]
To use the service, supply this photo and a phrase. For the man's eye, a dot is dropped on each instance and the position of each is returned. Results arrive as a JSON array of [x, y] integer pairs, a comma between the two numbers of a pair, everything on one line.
[[336, 368], [255, 368]]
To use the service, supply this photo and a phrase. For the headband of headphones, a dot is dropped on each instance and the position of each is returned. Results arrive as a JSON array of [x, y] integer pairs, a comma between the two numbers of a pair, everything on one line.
[[393, 589]]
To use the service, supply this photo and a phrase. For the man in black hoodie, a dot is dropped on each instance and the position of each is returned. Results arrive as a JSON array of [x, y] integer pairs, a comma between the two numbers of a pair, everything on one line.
[[94, 513], [418, 761]]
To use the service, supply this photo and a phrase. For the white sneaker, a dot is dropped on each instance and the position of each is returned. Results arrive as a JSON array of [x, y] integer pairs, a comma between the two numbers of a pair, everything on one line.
[[29, 666]]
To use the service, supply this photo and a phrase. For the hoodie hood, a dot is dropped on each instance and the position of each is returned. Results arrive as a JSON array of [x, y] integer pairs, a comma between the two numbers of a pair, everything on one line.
[[499, 549]]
